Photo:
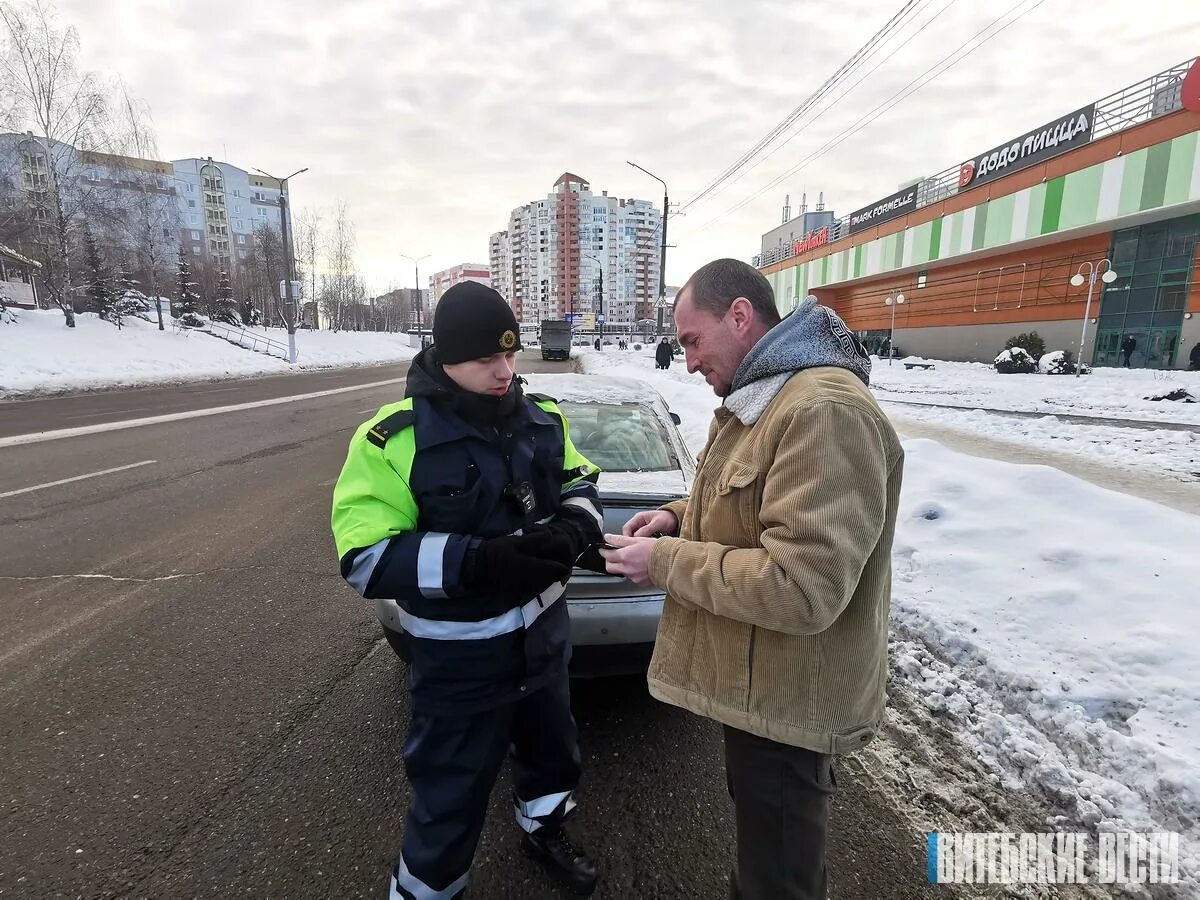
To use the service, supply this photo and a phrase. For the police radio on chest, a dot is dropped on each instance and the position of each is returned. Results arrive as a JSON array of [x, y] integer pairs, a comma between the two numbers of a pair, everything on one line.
[[522, 497]]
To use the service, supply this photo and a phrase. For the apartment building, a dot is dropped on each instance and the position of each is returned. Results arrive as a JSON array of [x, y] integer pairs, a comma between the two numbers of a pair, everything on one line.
[[577, 251]]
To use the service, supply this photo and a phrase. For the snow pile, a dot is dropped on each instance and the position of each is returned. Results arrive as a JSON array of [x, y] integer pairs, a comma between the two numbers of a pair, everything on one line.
[[1055, 624], [1014, 361], [40, 355], [1107, 392]]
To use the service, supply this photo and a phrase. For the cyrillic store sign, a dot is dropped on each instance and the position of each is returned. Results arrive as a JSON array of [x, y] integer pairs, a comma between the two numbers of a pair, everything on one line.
[[818, 237], [898, 204], [1036, 146]]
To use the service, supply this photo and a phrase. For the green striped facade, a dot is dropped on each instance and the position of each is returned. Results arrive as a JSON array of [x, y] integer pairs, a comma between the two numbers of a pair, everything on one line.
[[1160, 176]]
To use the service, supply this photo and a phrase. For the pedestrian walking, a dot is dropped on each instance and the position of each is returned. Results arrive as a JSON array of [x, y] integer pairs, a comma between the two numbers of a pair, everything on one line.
[[662, 355], [467, 504], [1127, 347], [778, 575]]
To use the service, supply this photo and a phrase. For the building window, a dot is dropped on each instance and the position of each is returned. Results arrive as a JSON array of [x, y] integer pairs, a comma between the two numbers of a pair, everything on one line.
[[241, 238], [237, 193], [190, 188], [195, 235], [194, 220], [191, 204], [196, 251], [241, 254]]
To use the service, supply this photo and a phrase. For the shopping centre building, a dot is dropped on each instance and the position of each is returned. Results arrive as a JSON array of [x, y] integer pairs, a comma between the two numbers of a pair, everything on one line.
[[987, 249]]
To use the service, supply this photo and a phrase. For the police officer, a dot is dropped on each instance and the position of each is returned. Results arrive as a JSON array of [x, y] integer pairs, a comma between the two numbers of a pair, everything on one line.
[[467, 504]]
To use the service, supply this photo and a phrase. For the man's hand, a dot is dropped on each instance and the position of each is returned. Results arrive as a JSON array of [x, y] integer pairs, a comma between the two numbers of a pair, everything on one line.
[[631, 558], [650, 523]]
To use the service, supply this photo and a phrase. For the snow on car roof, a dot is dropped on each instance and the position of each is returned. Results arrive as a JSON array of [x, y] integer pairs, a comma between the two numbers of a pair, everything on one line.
[[593, 388]]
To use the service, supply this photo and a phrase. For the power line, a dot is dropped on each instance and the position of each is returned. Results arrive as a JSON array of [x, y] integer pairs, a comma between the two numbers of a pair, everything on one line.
[[921, 27], [845, 69], [943, 65]]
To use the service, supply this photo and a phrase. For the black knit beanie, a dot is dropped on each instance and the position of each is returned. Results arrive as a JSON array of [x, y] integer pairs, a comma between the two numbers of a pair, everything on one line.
[[472, 321]]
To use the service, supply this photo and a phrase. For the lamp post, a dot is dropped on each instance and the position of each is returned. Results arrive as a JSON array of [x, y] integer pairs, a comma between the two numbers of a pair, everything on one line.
[[600, 263], [662, 255], [417, 282], [289, 311], [893, 301], [1093, 270]]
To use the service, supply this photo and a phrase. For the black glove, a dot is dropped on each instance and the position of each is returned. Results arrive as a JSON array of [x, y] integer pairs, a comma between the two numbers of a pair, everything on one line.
[[528, 562], [567, 540]]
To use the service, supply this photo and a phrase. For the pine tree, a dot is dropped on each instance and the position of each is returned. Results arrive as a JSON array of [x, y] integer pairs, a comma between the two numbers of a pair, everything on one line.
[[226, 311], [187, 295], [101, 291], [130, 300]]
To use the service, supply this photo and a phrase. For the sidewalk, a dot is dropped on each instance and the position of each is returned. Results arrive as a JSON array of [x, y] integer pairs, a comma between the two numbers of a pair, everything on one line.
[[1180, 495]]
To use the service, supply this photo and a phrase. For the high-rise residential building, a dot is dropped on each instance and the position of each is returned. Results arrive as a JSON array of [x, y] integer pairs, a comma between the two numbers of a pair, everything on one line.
[[577, 251], [442, 281], [500, 264], [221, 206]]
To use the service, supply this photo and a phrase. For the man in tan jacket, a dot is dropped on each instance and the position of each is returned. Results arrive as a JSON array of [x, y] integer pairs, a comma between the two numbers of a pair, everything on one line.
[[777, 568]]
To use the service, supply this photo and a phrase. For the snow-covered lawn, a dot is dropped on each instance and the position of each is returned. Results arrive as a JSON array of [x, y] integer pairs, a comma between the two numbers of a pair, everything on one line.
[[40, 354], [1112, 393], [1163, 451], [1055, 625]]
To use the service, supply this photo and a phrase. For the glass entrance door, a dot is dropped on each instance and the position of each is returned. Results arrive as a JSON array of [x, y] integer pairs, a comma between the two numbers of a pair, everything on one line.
[[1108, 347], [1161, 345]]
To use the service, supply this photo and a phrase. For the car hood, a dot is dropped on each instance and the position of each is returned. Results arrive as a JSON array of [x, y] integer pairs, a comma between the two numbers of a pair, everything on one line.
[[669, 484]]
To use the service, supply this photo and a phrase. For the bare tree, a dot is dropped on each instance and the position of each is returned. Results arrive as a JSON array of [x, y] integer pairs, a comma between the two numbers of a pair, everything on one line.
[[266, 268], [308, 244], [150, 216], [338, 285], [44, 87]]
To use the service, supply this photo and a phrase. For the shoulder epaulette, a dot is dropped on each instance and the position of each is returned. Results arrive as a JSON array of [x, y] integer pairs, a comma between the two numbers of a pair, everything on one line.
[[541, 398], [379, 433]]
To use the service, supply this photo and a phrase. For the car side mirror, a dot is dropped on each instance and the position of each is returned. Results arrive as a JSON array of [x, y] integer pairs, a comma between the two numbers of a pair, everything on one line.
[[675, 418]]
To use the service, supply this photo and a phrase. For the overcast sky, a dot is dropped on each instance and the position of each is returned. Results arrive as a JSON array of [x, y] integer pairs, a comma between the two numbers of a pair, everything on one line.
[[433, 119]]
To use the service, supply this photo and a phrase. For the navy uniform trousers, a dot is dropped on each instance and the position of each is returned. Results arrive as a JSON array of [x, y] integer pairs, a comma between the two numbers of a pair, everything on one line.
[[452, 762]]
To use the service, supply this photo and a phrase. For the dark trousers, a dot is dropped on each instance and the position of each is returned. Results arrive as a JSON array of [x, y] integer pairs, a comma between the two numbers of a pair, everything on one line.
[[452, 763], [782, 796]]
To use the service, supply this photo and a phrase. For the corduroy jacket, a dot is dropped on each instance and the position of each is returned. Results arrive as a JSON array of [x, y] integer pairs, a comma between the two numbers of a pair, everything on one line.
[[779, 582]]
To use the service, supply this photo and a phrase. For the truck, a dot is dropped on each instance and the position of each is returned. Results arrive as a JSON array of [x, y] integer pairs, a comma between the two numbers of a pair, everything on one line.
[[556, 339]]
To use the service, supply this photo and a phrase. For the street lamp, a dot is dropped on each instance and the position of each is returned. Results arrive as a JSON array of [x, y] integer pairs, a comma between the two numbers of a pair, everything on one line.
[[662, 256], [417, 282], [893, 301], [1093, 269], [289, 313]]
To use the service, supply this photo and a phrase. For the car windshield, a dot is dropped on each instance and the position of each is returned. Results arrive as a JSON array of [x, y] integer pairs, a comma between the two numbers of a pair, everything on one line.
[[620, 437]]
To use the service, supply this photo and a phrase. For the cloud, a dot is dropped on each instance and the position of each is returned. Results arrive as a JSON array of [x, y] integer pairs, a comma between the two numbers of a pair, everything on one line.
[[433, 120]]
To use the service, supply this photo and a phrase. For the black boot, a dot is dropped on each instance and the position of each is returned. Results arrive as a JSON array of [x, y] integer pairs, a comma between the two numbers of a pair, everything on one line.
[[551, 847]]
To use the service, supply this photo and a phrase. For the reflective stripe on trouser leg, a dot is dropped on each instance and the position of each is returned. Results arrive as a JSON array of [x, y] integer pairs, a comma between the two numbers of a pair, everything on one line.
[[554, 807], [406, 886]]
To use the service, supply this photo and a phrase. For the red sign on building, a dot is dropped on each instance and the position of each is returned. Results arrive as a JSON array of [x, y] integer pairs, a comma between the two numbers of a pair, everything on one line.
[[816, 238]]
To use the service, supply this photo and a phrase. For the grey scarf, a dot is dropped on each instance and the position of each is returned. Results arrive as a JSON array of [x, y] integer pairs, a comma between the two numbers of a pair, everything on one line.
[[811, 335]]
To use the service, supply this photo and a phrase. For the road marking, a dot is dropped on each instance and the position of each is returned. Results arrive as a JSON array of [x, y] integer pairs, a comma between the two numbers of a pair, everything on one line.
[[39, 436], [49, 484]]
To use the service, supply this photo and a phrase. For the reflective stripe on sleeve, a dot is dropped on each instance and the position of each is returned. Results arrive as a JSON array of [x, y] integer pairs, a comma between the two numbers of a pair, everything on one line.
[[430, 580], [589, 506], [364, 566]]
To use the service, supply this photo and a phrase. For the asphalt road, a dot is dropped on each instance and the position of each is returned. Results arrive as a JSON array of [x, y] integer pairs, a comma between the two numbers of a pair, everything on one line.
[[192, 702]]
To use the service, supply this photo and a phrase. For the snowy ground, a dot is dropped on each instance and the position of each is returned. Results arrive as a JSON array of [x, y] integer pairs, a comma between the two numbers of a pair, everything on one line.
[[40, 355], [1110, 393], [1047, 626]]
